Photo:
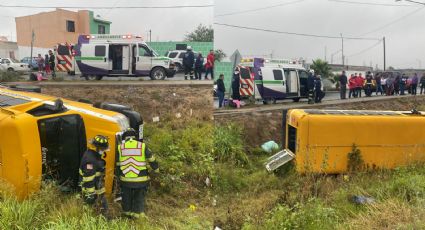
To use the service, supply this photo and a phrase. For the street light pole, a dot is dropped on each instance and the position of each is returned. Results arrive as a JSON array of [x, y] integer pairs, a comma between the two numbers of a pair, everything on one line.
[[383, 41], [342, 50]]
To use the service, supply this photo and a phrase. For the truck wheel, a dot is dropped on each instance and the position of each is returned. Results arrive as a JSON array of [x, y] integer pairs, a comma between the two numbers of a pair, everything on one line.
[[10, 69], [158, 73], [99, 77]]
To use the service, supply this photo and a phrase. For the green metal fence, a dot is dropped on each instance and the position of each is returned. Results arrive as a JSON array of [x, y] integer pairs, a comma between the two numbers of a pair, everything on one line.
[[225, 68]]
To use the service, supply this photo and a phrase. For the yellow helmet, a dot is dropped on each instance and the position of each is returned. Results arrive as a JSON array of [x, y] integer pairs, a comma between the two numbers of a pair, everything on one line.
[[100, 141]]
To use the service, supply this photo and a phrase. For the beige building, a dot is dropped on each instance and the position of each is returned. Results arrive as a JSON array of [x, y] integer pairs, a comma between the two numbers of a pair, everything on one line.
[[59, 26]]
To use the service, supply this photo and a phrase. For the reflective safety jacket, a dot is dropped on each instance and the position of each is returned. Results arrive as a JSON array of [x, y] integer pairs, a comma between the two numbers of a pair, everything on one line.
[[92, 172], [132, 161]]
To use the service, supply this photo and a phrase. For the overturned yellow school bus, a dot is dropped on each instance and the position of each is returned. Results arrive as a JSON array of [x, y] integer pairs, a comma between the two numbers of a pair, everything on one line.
[[43, 137], [320, 140]]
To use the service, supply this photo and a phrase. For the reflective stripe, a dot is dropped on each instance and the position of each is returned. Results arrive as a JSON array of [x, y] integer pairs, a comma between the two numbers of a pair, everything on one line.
[[88, 190], [81, 172], [134, 179], [88, 178], [98, 174], [131, 168], [131, 152], [100, 191], [133, 161]]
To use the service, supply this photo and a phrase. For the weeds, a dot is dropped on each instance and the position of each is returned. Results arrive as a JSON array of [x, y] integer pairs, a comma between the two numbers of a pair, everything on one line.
[[9, 76], [228, 145]]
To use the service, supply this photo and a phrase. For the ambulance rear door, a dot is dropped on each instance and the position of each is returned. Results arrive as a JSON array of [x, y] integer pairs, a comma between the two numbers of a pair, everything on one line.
[[273, 83], [292, 83]]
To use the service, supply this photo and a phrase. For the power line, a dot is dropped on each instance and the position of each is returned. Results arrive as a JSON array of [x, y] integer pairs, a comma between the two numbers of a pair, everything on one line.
[[369, 3], [394, 21], [293, 33], [106, 7], [259, 9], [367, 49]]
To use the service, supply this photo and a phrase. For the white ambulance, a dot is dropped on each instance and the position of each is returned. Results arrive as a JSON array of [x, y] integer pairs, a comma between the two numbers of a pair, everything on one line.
[[278, 79], [100, 55]]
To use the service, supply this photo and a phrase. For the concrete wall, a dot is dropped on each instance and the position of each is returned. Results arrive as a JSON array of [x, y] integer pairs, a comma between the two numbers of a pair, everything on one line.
[[50, 28], [8, 50], [25, 51]]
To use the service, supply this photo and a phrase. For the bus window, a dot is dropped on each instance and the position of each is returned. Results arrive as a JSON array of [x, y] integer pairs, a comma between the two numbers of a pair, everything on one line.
[[245, 74], [292, 139], [63, 50]]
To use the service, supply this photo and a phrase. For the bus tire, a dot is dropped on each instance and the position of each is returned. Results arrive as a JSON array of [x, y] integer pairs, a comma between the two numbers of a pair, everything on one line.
[[99, 77], [297, 99], [158, 73]]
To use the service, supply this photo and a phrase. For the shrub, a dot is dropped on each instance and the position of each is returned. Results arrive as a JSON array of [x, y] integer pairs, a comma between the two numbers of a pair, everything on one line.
[[228, 145], [9, 76]]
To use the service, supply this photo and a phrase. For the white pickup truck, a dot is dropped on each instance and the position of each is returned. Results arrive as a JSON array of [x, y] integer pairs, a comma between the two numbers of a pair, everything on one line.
[[10, 64]]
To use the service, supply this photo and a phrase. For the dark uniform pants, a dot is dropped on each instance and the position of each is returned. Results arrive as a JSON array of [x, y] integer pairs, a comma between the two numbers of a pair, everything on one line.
[[133, 200], [188, 70]]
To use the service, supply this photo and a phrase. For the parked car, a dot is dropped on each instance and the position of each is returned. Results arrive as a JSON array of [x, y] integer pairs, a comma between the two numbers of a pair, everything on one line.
[[31, 62], [11, 64], [177, 57]]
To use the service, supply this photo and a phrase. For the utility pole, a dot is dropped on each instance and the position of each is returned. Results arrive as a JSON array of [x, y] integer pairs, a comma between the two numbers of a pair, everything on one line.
[[325, 53], [150, 35], [383, 41], [342, 50], [32, 43]]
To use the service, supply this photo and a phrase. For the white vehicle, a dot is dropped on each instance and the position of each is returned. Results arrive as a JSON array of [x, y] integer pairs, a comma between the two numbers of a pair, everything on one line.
[[102, 55], [11, 64], [177, 57], [279, 79]]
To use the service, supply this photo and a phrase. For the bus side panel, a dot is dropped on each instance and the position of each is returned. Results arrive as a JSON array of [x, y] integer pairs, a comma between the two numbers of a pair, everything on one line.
[[384, 141]]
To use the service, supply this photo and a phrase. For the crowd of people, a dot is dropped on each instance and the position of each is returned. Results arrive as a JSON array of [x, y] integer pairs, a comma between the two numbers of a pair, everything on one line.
[[46, 65], [195, 66], [380, 84]]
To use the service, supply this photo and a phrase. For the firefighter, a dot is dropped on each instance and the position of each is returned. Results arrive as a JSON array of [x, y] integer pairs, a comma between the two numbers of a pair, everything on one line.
[[92, 172], [188, 62], [310, 86], [134, 177]]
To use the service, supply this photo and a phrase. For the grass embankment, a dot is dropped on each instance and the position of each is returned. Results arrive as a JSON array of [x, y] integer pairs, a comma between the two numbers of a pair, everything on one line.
[[184, 151], [250, 198]]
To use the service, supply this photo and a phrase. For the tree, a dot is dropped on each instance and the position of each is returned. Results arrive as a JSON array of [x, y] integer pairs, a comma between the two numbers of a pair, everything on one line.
[[200, 34], [321, 68], [219, 55]]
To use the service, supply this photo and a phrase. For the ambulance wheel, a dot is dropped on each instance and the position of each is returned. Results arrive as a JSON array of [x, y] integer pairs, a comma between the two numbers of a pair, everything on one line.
[[274, 100], [88, 77], [158, 73], [297, 99], [99, 77], [265, 102]]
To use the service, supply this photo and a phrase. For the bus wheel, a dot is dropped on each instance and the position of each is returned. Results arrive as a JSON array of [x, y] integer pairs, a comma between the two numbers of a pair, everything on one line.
[[297, 99], [99, 77], [158, 73]]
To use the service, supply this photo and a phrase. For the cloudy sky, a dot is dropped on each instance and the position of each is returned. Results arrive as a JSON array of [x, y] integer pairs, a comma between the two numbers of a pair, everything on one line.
[[402, 24], [166, 24]]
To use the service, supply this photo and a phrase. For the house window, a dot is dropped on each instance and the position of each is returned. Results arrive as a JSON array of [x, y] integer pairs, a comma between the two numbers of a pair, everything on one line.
[[101, 29], [70, 26]]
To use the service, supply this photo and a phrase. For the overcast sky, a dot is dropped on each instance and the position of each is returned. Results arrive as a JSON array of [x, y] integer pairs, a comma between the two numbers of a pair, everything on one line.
[[405, 38], [166, 24]]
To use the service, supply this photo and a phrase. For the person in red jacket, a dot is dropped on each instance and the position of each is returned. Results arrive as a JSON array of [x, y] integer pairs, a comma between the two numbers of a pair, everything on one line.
[[359, 85], [209, 66], [352, 86]]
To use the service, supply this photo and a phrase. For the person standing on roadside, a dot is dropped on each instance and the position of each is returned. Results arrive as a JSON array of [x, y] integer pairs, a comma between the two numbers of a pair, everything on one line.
[[422, 82], [40, 63], [52, 63], [414, 84], [403, 82], [352, 86], [319, 94], [368, 84], [343, 85], [310, 86], [199, 64], [188, 61], [378, 84], [209, 66], [46, 64], [221, 89], [359, 85], [396, 83]]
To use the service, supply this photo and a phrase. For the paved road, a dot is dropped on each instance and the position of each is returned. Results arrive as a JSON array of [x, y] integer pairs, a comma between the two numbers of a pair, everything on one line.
[[329, 102]]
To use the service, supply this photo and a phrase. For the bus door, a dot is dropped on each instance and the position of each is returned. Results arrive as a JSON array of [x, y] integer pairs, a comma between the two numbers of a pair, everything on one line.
[[292, 85], [144, 60], [63, 143], [273, 83]]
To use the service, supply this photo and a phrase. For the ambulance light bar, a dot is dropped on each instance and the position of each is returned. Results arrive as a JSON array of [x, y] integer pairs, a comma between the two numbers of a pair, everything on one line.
[[108, 36]]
